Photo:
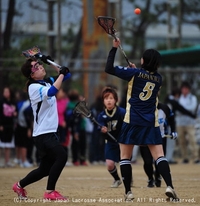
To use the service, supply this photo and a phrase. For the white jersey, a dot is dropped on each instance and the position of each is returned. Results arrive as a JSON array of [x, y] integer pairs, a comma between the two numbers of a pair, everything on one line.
[[161, 121], [44, 109], [21, 120]]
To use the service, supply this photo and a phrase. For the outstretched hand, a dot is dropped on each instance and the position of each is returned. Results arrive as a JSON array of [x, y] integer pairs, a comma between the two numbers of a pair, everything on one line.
[[174, 135], [131, 65], [64, 70], [116, 42], [46, 58]]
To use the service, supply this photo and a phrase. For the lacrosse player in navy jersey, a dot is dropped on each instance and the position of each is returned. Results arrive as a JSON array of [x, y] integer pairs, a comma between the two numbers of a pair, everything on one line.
[[42, 93], [111, 119], [140, 126]]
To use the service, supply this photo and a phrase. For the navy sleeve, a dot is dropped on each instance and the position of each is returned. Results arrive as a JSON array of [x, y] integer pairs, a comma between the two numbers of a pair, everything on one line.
[[110, 61]]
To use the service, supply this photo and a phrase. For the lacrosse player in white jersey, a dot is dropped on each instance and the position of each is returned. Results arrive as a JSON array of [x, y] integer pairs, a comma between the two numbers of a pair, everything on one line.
[[42, 93]]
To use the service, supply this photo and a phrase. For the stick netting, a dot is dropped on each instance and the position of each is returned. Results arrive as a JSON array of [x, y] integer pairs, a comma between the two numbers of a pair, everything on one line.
[[107, 24], [81, 108]]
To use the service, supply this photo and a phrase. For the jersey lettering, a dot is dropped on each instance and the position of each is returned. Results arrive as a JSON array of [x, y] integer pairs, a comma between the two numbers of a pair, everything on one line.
[[112, 125]]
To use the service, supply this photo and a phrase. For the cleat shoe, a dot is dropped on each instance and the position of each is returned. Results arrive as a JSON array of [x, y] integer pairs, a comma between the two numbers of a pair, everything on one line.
[[197, 162], [150, 183], [158, 179], [129, 197], [26, 164], [76, 163], [171, 194], [9, 164], [185, 161], [116, 183], [20, 191], [84, 163], [54, 195]]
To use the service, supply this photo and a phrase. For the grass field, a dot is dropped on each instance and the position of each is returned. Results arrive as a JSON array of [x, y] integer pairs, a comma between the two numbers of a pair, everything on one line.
[[90, 185]]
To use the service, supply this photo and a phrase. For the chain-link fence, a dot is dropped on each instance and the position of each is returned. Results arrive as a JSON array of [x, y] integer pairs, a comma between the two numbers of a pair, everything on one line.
[[90, 81]]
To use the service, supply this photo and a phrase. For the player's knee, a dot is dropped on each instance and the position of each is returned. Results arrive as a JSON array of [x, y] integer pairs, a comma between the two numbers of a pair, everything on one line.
[[110, 165]]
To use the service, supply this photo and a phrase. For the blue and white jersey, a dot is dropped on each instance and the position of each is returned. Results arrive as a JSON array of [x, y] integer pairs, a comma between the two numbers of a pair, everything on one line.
[[166, 119], [112, 121], [162, 121], [142, 101], [22, 106], [44, 108]]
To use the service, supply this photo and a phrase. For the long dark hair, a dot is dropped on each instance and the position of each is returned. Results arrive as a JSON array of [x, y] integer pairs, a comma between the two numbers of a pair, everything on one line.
[[152, 60], [26, 71]]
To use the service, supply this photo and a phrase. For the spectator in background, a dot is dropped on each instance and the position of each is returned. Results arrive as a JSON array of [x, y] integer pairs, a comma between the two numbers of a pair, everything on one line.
[[77, 126], [31, 154], [89, 130], [186, 124], [62, 101], [172, 101], [8, 114], [22, 131], [97, 144]]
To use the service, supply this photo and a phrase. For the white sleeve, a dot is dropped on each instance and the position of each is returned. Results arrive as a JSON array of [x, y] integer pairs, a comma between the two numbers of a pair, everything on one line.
[[37, 92]]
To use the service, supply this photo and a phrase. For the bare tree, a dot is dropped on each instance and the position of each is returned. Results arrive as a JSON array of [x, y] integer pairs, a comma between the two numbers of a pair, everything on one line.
[[9, 23], [138, 25], [190, 11]]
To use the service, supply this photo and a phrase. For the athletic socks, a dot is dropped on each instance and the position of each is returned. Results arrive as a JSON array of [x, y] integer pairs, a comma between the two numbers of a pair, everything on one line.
[[114, 173], [164, 170], [126, 172]]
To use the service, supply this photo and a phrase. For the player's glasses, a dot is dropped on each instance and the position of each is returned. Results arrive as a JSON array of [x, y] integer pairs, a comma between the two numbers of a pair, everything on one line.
[[36, 66]]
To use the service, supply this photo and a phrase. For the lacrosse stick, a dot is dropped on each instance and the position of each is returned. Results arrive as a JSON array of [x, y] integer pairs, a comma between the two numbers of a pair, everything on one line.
[[107, 24], [81, 108], [36, 53], [169, 136]]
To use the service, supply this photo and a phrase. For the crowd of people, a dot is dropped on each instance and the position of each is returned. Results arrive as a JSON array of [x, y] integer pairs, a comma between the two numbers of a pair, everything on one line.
[[40, 126], [16, 129], [80, 137]]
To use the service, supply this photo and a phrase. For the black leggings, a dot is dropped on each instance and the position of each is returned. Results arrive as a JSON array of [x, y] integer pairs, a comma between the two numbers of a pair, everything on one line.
[[51, 165]]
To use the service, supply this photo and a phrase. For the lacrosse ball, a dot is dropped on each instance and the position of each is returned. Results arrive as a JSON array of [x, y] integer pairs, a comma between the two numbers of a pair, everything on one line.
[[137, 11]]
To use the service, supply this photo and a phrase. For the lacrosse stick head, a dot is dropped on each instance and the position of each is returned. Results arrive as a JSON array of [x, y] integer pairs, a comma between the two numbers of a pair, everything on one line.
[[107, 24], [81, 108], [34, 52]]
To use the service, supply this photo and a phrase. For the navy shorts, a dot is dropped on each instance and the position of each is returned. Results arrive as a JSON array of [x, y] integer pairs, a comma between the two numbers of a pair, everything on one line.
[[112, 151], [140, 135]]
